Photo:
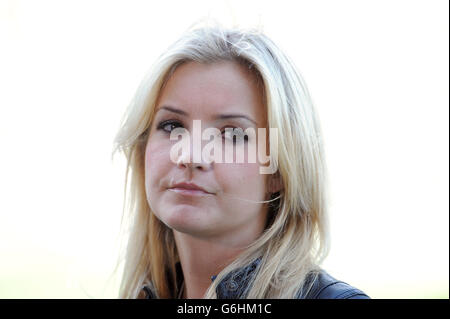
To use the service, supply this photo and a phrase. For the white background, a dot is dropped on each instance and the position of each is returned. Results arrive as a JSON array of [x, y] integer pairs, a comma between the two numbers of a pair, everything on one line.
[[378, 75]]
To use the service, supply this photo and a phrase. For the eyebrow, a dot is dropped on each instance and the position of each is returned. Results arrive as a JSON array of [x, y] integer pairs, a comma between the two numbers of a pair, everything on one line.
[[219, 116]]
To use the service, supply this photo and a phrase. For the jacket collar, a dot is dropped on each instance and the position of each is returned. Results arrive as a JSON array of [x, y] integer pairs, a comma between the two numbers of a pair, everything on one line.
[[235, 285]]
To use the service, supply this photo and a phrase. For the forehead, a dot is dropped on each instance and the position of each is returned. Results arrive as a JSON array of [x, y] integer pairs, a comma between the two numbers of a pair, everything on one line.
[[202, 90]]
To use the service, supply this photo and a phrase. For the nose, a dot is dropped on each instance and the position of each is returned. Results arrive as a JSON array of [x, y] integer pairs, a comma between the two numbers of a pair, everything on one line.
[[186, 160]]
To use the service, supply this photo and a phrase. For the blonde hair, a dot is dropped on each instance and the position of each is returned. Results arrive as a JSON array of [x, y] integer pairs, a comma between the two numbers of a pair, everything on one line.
[[296, 240]]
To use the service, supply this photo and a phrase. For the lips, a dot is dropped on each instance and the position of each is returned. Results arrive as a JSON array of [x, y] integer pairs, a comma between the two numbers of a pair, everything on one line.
[[189, 189]]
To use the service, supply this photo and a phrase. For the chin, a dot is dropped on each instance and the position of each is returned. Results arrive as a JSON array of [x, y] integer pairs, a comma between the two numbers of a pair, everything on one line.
[[185, 219]]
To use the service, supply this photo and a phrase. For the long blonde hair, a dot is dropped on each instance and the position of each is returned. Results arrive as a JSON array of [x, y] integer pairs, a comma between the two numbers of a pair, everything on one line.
[[296, 241]]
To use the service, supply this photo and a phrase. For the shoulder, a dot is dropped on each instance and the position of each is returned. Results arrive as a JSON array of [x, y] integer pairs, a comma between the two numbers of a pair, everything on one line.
[[327, 287], [146, 292]]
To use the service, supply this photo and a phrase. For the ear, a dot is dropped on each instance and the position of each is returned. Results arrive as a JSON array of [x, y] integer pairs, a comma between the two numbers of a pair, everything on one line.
[[275, 183]]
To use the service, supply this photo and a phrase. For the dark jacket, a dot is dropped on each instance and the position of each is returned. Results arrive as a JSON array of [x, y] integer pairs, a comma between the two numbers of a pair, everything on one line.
[[234, 284]]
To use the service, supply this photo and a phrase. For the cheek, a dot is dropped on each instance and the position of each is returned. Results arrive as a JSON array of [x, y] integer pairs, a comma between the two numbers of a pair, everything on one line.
[[156, 161], [242, 179], [157, 165]]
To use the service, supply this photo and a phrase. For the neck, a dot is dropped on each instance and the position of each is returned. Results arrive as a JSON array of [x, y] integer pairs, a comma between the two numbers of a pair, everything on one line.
[[202, 258]]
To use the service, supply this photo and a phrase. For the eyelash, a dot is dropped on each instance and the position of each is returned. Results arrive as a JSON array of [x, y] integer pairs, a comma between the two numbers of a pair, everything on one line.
[[163, 124]]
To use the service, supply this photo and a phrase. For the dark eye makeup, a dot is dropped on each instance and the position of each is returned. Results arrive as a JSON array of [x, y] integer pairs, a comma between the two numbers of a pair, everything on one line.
[[169, 125], [164, 124]]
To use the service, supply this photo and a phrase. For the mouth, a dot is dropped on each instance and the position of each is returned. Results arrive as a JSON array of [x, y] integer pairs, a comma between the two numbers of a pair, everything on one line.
[[188, 192], [189, 189]]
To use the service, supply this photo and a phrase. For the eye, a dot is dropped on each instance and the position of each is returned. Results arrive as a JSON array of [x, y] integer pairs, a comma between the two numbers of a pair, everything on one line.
[[168, 126], [236, 133]]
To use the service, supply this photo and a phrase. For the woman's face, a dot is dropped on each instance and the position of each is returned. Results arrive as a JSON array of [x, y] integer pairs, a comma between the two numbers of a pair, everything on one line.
[[206, 92]]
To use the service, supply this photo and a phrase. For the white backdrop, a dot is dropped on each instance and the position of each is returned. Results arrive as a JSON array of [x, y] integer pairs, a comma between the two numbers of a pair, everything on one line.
[[377, 72]]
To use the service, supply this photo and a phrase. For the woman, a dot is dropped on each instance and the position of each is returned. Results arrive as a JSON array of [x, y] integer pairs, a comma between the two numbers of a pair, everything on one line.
[[212, 228]]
